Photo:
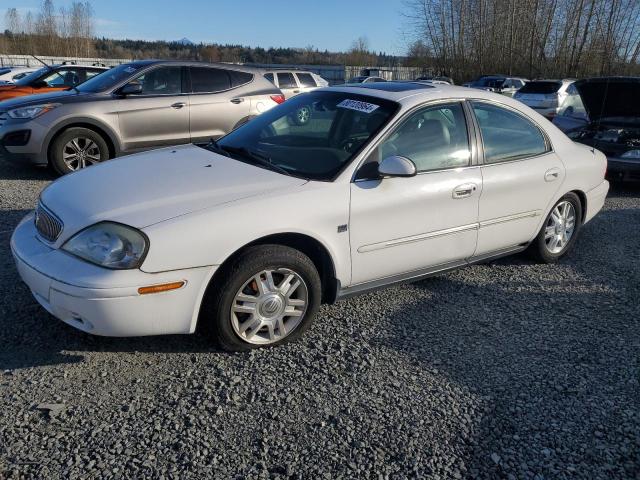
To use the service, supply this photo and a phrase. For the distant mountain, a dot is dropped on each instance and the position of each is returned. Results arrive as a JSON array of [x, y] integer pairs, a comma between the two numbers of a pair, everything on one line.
[[185, 41]]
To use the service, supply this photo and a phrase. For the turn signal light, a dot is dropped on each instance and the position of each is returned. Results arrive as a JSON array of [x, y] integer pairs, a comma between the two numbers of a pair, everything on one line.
[[165, 287], [278, 99]]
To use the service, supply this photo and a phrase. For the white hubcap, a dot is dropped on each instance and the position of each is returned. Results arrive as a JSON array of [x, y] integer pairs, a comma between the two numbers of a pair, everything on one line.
[[560, 227]]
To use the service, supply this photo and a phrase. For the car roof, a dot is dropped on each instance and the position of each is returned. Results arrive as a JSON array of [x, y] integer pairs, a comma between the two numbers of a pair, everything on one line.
[[413, 93], [227, 66]]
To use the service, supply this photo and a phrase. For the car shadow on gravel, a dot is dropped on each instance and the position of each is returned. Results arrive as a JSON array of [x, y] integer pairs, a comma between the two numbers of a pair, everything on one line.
[[20, 171], [550, 352]]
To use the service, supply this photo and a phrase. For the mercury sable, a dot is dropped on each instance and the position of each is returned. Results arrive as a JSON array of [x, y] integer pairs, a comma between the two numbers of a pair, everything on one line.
[[246, 236]]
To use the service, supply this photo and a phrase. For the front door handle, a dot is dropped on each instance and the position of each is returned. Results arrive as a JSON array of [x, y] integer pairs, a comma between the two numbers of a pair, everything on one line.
[[552, 175], [237, 100], [464, 191], [178, 105]]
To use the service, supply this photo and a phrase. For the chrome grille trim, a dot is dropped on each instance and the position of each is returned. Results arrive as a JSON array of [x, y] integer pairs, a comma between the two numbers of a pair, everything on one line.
[[49, 226]]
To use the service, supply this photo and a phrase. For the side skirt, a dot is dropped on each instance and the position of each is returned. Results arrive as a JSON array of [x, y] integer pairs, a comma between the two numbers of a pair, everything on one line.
[[417, 275]]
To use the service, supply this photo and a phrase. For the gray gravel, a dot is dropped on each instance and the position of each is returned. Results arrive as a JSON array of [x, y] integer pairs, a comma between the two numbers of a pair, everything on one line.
[[508, 370]]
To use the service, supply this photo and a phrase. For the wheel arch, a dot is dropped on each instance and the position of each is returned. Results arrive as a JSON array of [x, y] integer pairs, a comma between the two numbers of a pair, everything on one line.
[[310, 246], [106, 133], [583, 202]]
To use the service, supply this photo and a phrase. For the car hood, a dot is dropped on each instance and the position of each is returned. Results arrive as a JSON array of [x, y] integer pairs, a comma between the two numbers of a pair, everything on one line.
[[610, 97], [61, 96], [147, 188]]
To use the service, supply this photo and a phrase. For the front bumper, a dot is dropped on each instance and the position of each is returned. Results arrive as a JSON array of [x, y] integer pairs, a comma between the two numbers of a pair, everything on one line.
[[33, 151], [106, 302], [622, 169]]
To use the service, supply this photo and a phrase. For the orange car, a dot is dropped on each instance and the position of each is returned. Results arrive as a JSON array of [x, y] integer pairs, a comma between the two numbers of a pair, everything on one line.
[[49, 79]]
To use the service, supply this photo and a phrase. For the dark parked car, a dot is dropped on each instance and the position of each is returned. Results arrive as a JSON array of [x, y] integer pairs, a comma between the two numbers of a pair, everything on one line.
[[606, 116]]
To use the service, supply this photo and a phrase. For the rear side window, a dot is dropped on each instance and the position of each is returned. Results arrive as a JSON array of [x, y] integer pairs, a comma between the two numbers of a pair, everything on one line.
[[269, 76], [209, 80], [239, 78], [507, 135], [286, 80], [544, 88], [306, 80]]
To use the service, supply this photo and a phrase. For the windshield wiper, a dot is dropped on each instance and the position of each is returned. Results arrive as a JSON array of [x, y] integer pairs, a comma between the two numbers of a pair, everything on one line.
[[256, 157]]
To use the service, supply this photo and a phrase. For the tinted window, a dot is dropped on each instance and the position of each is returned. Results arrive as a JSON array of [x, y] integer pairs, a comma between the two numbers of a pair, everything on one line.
[[306, 80], [205, 80], [110, 79], [335, 128], [92, 73], [161, 81], [269, 76], [239, 78], [541, 87], [507, 135], [434, 138], [286, 80]]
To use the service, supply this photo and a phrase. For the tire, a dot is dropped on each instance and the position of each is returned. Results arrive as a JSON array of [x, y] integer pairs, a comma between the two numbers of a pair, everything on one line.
[[543, 247], [302, 116], [81, 147], [227, 317]]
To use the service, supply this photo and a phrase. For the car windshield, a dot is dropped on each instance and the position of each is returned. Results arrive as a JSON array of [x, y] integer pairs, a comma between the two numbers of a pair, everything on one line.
[[312, 136], [27, 79], [541, 87], [109, 78], [493, 82]]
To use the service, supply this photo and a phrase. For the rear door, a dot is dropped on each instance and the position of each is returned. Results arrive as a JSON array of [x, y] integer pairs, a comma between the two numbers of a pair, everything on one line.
[[287, 84], [306, 81], [216, 105], [160, 114], [521, 175]]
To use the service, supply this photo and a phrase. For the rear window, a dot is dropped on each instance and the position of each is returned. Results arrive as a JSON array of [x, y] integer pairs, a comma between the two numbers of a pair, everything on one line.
[[306, 80], [239, 78], [541, 87], [286, 80], [207, 80]]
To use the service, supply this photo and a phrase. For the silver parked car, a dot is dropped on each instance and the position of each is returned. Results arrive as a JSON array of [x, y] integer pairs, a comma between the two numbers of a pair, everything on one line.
[[547, 97], [295, 82], [133, 107], [499, 84]]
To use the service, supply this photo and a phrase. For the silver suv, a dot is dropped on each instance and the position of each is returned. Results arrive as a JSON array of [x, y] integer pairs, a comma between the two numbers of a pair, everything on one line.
[[130, 108]]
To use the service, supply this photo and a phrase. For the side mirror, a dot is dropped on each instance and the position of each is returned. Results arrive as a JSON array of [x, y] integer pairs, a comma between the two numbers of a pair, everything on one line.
[[131, 89], [397, 166]]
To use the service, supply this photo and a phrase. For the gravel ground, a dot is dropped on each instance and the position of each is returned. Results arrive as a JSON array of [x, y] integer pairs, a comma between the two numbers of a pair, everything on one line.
[[507, 370]]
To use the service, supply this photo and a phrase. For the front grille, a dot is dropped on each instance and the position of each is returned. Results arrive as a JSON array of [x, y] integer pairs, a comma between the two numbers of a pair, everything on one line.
[[48, 225]]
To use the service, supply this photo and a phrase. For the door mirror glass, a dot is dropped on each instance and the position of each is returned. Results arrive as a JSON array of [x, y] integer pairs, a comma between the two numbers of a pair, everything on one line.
[[397, 166], [131, 89]]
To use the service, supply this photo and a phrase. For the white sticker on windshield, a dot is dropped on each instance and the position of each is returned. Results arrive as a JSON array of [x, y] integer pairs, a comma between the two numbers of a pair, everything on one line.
[[358, 106]]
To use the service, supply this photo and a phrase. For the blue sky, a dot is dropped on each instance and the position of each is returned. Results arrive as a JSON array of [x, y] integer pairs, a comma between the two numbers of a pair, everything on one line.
[[330, 24]]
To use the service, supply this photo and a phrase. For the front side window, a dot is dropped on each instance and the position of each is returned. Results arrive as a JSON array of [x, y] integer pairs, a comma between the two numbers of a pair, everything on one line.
[[507, 135], [64, 77], [209, 80], [306, 80], [111, 78], [286, 80], [434, 138], [337, 127], [161, 81]]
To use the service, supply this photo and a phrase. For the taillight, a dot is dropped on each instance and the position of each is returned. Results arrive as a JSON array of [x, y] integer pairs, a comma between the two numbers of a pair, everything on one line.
[[278, 98]]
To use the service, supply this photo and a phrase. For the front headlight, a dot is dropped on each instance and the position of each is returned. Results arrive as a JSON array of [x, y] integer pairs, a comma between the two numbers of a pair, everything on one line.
[[28, 113], [110, 245], [635, 154]]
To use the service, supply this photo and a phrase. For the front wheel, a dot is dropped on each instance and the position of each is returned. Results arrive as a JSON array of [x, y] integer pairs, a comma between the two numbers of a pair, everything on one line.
[[559, 231], [77, 148], [268, 295]]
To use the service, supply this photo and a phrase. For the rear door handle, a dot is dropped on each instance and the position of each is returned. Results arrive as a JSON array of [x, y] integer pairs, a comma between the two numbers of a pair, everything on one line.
[[464, 191], [552, 175], [237, 100], [178, 105]]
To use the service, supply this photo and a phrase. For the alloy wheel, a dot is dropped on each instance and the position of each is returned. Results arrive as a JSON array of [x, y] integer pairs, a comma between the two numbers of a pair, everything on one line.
[[269, 306], [80, 152], [560, 227]]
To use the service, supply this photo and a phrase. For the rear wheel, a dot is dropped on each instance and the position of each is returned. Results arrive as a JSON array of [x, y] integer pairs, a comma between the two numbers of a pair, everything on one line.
[[268, 295], [559, 231], [302, 115], [77, 148]]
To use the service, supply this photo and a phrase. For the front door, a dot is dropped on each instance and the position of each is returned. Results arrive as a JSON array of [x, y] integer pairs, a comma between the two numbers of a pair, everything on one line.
[[404, 225], [159, 115], [521, 177]]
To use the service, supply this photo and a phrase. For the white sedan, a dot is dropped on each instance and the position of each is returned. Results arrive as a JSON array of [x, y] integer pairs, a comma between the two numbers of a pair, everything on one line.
[[388, 182]]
